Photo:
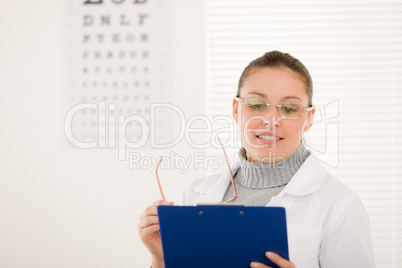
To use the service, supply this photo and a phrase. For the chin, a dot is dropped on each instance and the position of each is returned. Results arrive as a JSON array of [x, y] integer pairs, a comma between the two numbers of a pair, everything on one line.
[[267, 155]]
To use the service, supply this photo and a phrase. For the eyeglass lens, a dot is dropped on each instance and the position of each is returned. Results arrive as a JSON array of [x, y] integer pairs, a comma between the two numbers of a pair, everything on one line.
[[285, 109]]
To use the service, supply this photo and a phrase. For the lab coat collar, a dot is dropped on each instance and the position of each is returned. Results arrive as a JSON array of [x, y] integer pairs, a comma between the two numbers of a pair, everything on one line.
[[214, 187], [305, 181], [307, 178]]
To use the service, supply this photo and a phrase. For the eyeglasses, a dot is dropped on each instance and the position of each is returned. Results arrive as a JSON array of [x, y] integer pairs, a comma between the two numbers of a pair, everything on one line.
[[230, 172], [289, 110]]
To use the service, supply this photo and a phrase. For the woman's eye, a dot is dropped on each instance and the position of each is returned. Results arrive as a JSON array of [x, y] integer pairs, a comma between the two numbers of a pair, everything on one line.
[[256, 106], [289, 109]]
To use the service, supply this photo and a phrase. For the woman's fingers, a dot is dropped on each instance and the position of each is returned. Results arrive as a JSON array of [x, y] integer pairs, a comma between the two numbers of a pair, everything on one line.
[[147, 221], [281, 262], [153, 210], [159, 202], [258, 265], [149, 230], [150, 214], [275, 258], [149, 211]]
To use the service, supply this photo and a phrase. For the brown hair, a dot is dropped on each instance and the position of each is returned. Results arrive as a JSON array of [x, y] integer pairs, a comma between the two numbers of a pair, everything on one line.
[[277, 59]]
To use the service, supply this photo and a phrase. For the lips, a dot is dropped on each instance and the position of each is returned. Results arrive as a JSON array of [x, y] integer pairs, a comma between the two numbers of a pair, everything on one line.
[[265, 137], [268, 137]]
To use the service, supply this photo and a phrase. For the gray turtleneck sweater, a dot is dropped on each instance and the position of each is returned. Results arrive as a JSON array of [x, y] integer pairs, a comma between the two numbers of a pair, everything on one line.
[[257, 183]]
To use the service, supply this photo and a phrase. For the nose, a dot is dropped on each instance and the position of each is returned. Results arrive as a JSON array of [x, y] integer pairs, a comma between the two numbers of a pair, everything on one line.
[[273, 117]]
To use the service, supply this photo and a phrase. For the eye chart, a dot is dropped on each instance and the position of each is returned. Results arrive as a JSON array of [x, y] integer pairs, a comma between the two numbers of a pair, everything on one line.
[[116, 58]]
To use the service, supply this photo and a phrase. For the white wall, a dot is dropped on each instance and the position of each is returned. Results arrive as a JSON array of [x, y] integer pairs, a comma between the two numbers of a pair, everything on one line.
[[66, 207]]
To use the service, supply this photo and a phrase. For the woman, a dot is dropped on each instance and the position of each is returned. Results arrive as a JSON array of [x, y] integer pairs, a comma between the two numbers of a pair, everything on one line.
[[327, 224]]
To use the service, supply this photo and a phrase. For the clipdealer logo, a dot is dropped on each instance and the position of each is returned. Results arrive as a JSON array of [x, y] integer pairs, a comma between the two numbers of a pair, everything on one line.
[[324, 143], [111, 126]]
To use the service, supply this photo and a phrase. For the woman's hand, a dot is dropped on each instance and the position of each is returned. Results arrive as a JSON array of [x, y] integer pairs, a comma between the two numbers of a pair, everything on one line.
[[275, 258], [148, 228]]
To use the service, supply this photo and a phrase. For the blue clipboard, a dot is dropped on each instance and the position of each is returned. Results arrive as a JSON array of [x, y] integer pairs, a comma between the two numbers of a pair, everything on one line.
[[221, 236]]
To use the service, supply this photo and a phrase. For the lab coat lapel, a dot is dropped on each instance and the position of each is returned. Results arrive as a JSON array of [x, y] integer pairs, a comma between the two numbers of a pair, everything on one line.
[[305, 181], [213, 189]]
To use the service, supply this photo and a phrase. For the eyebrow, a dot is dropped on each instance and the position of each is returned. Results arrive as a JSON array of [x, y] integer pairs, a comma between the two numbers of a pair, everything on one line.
[[291, 97], [256, 93], [284, 98]]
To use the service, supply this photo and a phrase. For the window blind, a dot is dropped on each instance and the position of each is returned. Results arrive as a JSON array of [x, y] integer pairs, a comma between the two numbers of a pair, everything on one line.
[[353, 50]]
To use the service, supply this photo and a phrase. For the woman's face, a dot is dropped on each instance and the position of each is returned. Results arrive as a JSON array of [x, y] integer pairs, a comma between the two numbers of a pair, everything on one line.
[[280, 139]]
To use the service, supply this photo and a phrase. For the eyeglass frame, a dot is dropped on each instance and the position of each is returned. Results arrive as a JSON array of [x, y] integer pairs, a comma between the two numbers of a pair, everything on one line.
[[305, 109]]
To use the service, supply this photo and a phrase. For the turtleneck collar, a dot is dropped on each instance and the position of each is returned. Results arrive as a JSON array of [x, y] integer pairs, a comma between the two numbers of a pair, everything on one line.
[[269, 175]]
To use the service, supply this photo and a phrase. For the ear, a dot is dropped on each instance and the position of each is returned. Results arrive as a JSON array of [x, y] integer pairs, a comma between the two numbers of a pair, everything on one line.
[[235, 111], [310, 120]]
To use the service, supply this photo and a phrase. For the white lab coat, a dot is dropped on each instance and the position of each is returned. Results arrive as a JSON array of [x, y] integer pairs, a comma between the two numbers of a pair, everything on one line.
[[327, 223]]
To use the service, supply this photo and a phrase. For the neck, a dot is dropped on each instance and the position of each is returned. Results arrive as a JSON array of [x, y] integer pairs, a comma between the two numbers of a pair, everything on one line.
[[273, 174]]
